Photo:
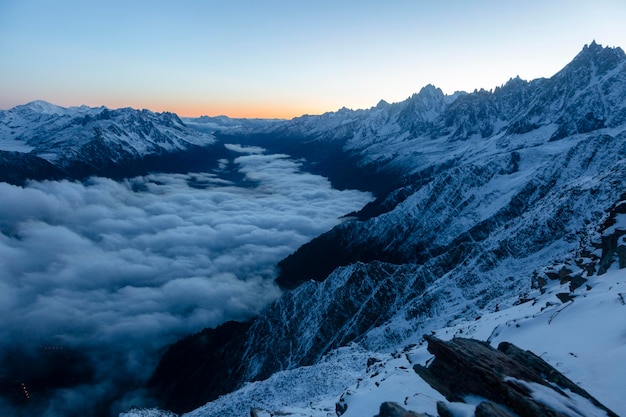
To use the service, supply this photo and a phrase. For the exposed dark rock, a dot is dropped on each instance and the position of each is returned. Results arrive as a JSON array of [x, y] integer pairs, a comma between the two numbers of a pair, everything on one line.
[[621, 256], [341, 408], [564, 297], [390, 409], [613, 244], [470, 367], [610, 239], [372, 361], [612, 247], [443, 410], [256, 412], [490, 409]]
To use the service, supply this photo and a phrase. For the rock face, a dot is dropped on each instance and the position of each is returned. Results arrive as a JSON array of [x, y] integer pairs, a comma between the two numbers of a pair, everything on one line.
[[389, 409], [613, 242], [509, 377]]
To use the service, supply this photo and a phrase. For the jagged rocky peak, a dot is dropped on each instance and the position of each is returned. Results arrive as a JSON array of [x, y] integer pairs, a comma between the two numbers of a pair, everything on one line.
[[592, 62], [430, 92], [512, 86], [382, 104], [429, 98], [603, 59], [424, 106], [515, 82]]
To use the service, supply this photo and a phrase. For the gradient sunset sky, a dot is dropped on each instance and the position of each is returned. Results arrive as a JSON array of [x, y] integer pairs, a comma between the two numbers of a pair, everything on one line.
[[280, 58]]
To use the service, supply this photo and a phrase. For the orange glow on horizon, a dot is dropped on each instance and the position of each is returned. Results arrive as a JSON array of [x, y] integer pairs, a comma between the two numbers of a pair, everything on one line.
[[249, 111], [232, 110], [191, 108]]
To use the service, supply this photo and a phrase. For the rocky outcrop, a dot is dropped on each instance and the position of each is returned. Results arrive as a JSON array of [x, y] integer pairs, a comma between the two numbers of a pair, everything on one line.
[[509, 377], [600, 250], [613, 241], [389, 409]]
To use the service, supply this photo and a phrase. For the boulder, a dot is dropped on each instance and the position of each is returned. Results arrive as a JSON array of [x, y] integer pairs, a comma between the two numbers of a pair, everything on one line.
[[507, 377], [390, 409]]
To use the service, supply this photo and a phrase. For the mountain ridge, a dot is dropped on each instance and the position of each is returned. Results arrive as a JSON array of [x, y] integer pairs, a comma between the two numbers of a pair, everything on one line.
[[82, 141], [487, 187]]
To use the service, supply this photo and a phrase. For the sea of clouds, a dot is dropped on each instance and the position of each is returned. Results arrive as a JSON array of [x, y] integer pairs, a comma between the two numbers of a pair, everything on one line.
[[121, 269]]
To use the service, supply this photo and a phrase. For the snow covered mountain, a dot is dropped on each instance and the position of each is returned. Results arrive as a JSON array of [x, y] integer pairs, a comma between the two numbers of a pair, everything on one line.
[[478, 194], [500, 216], [41, 140]]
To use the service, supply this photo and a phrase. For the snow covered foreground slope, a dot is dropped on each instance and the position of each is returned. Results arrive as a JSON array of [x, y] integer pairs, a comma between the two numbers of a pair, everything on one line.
[[583, 339]]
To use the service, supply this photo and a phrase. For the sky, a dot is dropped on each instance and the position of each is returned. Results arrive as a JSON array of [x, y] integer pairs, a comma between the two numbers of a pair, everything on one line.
[[284, 58]]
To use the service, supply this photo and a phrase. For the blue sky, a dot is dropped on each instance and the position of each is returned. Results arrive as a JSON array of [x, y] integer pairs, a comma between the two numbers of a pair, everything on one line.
[[279, 58]]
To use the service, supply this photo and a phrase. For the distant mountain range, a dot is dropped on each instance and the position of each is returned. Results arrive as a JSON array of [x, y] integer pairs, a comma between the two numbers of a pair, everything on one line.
[[42, 141], [485, 201]]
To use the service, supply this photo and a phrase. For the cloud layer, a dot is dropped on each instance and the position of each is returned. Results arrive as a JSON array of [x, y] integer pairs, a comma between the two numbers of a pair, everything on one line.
[[120, 269]]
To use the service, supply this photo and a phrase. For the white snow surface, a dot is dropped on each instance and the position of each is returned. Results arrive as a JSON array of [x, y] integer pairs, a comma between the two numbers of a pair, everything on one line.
[[573, 405], [585, 339]]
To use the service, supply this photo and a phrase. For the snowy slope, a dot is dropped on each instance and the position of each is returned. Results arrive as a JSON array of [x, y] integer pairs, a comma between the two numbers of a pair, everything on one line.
[[566, 335]]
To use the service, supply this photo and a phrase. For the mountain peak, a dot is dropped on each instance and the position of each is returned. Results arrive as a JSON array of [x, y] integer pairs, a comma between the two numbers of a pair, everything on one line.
[[597, 50], [602, 59], [382, 104], [593, 45], [43, 107], [431, 91]]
